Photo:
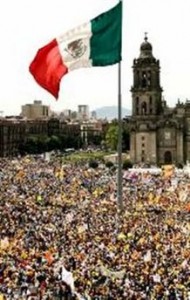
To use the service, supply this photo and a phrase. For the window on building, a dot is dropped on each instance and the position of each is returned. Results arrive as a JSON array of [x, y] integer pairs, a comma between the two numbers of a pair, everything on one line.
[[167, 135], [149, 78], [144, 108], [144, 79], [138, 77]]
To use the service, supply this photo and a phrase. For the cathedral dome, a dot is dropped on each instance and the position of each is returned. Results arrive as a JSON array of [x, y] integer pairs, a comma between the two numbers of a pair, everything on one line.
[[146, 46], [146, 49]]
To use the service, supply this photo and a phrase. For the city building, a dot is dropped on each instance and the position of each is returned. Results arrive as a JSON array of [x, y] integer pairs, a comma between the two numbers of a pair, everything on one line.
[[90, 131], [83, 113], [67, 113], [35, 111], [15, 132], [12, 135], [158, 134], [94, 115]]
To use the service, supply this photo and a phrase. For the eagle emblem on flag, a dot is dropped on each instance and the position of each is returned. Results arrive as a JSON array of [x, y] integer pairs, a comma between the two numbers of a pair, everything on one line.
[[76, 48]]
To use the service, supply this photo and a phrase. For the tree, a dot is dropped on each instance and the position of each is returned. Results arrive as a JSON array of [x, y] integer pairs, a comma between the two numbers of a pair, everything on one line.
[[109, 164], [127, 164], [94, 139], [54, 143], [126, 137], [112, 136], [30, 146], [35, 144], [93, 164], [42, 143]]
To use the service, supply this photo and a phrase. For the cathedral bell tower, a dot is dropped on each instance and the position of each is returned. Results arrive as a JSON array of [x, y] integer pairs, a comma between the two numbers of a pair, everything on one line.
[[146, 90], [157, 132], [147, 106]]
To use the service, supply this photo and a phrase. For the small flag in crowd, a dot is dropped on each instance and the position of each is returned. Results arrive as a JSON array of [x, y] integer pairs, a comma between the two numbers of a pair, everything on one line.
[[95, 43]]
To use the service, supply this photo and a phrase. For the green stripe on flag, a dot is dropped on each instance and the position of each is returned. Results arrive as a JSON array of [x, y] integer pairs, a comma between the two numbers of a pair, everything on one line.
[[105, 43]]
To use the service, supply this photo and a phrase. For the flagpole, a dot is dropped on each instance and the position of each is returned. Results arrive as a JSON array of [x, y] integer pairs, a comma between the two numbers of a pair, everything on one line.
[[119, 147]]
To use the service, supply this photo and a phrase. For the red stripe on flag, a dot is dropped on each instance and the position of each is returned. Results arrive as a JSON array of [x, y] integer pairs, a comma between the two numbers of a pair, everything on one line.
[[48, 68]]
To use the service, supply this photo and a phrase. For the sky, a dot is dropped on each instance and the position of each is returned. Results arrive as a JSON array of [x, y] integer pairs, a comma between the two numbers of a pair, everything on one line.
[[26, 26]]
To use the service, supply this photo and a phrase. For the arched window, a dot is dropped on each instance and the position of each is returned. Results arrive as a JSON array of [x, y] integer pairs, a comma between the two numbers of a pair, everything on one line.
[[137, 105], [138, 76], [149, 78], [150, 105], [144, 108], [144, 79]]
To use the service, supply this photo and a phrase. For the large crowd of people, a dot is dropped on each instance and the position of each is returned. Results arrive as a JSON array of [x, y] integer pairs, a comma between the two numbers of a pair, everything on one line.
[[62, 237]]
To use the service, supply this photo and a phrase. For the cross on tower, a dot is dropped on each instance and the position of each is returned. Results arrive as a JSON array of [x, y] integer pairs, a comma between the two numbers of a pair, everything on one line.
[[145, 36]]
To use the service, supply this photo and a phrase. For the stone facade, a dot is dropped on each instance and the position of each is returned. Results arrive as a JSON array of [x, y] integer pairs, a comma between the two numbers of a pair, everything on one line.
[[158, 134]]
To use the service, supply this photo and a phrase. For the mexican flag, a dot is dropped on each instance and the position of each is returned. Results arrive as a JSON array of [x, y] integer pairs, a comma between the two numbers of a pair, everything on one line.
[[95, 43]]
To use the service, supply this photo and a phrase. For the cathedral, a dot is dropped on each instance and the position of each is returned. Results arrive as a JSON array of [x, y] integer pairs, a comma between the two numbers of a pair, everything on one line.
[[158, 134]]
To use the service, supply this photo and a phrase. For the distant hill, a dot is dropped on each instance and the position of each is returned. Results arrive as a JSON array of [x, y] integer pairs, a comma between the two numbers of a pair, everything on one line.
[[111, 112]]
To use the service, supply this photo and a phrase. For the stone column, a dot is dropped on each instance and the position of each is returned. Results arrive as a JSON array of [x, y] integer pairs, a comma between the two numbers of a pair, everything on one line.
[[180, 150], [153, 148], [133, 147]]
